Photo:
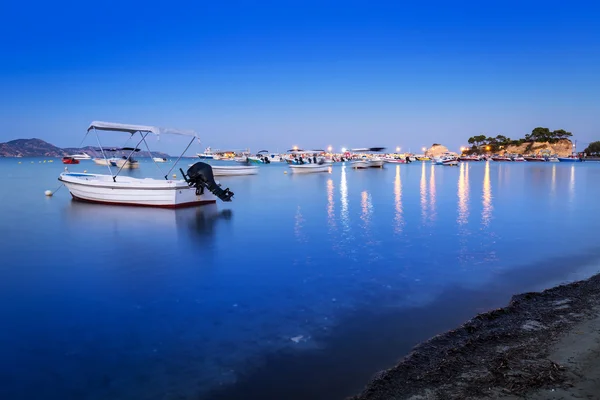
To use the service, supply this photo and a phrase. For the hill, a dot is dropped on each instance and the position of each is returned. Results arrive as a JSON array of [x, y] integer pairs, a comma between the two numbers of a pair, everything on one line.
[[40, 148]]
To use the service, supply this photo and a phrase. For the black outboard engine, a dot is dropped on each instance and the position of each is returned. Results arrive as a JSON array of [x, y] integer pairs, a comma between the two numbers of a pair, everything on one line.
[[200, 176]]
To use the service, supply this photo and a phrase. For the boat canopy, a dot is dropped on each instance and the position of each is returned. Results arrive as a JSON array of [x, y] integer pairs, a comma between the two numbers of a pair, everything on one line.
[[117, 127], [368, 149]]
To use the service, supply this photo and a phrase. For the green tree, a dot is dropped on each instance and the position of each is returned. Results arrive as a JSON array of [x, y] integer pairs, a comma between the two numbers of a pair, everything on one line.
[[540, 134], [561, 134], [593, 148]]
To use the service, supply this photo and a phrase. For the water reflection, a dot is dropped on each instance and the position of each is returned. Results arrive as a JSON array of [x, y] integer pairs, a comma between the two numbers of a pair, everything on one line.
[[463, 194], [330, 204], [398, 218], [553, 185], [344, 198], [423, 191], [366, 207], [572, 184], [299, 225], [486, 214], [432, 213]]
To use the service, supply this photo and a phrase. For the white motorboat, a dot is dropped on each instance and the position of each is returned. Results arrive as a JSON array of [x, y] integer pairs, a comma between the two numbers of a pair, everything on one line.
[[446, 159], [394, 160], [159, 159], [376, 162], [309, 168], [82, 156], [360, 164], [234, 170], [368, 159], [106, 161], [126, 163], [198, 186]]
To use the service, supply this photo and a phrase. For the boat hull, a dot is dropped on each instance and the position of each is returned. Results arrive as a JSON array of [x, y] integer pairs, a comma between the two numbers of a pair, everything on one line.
[[376, 163], [360, 164], [535, 159], [568, 159], [133, 192], [235, 170], [309, 168]]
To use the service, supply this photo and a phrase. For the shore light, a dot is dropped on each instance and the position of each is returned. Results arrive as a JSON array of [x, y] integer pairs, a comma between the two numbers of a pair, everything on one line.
[[424, 148], [295, 148], [397, 149], [343, 149], [329, 149]]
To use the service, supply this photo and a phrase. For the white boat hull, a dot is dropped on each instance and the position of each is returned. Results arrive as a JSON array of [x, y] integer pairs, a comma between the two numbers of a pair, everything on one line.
[[376, 163], [159, 159], [103, 161], [360, 164], [235, 170], [126, 164], [132, 191], [309, 168]]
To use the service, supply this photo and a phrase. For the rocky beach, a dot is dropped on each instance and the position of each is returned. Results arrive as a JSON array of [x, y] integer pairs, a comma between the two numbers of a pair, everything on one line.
[[543, 345]]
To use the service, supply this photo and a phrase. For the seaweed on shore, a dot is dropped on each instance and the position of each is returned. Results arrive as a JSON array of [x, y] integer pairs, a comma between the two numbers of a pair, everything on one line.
[[500, 351]]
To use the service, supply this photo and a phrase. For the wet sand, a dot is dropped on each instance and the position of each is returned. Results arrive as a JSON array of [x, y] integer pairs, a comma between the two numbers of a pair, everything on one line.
[[543, 345]]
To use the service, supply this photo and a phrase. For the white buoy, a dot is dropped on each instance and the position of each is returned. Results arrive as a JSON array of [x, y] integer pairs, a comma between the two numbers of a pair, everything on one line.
[[48, 193], [285, 172], [174, 175], [85, 171]]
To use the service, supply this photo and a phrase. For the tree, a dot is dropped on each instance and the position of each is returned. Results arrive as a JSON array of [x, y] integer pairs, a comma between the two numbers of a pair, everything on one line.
[[561, 134], [540, 134], [593, 148]]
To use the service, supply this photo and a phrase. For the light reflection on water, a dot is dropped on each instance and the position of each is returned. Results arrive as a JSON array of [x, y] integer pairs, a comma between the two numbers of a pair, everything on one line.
[[423, 192], [487, 196], [463, 194], [398, 201]]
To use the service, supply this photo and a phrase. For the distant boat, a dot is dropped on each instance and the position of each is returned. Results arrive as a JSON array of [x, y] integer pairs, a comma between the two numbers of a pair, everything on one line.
[[159, 159], [501, 158], [535, 159], [70, 160], [82, 156], [207, 155], [309, 168], [571, 158], [518, 158], [233, 170]]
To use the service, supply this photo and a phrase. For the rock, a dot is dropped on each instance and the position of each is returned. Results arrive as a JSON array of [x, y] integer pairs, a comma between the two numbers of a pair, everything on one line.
[[563, 147], [436, 150]]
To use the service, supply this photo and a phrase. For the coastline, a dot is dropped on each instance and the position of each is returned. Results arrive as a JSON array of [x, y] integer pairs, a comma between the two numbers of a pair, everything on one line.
[[542, 344]]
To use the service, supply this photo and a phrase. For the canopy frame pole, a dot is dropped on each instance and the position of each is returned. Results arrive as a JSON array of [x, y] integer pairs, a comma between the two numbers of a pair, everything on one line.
[[150, 153], [130, 154], [103, 154], [181, 155]]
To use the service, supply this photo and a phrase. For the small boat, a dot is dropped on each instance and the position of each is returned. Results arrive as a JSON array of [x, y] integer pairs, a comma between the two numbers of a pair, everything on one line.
[[233, 170], [309, 168], [159, 159], [518, 158], [70, 160], [126, 163], [422, 158], [82, 156], [535, 159], [393, 160], [501, 158], [448, 159], [198, 186], [469, 158], [106, 161], [553, 159], [571, 158], [361, 163]]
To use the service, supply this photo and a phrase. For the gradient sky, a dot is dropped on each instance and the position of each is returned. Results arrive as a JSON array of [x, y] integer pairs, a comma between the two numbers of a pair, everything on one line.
[[267, 74]]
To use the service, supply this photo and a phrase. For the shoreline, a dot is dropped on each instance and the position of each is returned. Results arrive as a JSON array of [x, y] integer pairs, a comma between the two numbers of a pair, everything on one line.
[[542, 344]]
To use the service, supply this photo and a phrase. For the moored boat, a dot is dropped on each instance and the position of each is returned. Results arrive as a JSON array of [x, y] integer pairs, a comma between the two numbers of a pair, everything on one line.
[[518, 158], [82, 156], [70, 160], [159, 159], [535, 158], [571, 158], [501, 158], [233, 170], [309, 168], [198, 186]]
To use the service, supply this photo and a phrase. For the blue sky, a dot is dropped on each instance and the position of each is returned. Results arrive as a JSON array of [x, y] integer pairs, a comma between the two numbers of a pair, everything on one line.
[[276, 74]]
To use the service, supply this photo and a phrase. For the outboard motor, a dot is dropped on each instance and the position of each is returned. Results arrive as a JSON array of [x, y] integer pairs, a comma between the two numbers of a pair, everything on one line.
[[200, 176]]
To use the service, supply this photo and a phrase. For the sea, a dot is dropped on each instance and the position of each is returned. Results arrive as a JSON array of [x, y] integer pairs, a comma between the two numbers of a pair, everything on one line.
[[303, 287]]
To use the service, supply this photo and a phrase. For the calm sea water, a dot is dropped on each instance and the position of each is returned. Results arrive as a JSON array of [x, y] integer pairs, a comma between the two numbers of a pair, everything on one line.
[[303, 287]]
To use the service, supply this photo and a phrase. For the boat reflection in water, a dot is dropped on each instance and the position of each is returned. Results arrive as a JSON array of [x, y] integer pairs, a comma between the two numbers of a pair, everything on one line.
[[137, 223]]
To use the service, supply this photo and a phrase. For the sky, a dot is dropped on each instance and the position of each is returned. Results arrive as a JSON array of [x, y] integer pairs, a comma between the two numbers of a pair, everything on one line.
[[276, 74]]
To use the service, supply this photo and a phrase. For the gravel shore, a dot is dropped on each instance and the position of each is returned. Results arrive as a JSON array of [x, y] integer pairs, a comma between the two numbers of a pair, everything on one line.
[[543, 345]]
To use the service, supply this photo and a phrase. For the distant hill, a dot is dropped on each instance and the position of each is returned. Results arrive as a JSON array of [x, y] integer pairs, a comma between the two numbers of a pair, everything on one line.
[[40, 148]]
